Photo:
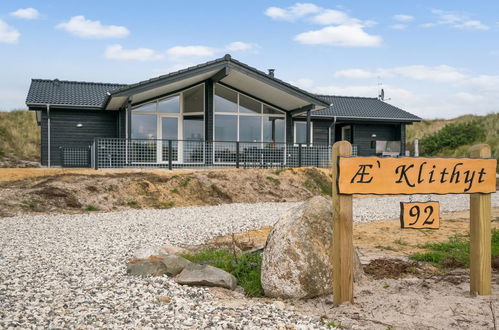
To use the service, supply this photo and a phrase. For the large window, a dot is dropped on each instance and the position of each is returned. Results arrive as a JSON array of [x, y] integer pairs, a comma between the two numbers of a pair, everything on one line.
[[176, 117], [241, 118], [225, 128], [144, 126], [301, 132]]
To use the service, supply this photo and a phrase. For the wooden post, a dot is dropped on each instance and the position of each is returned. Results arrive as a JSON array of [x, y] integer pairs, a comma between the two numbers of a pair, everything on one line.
[[480, 236], [342, 233]]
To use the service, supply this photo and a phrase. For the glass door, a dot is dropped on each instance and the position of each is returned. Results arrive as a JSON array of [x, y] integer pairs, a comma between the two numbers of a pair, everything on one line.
[[169, 129]]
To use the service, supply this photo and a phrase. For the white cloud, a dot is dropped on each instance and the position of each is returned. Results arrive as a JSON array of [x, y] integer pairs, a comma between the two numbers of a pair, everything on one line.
[[342, 35], [472, 25], [340, 30], [354, 74], [468, 97], [398, 26], [303, 83], [292, 13], [192, 51], [440, 73], [238, 46], [26, 13], [84, 28], [117, 52], [180, 55], [454, 20], [8, 34], [331, 16], [403, 18]]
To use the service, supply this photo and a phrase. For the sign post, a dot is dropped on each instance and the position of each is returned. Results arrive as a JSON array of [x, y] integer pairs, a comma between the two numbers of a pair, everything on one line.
[[412, 175], [480, 213], [342, 232]]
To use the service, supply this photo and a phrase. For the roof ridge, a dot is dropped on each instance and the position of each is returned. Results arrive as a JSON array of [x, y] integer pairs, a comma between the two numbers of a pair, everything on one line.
[[350, 97], [78, 82]]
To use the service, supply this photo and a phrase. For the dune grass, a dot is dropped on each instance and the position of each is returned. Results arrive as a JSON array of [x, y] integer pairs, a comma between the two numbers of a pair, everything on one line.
[[19, 135], [489, 124]]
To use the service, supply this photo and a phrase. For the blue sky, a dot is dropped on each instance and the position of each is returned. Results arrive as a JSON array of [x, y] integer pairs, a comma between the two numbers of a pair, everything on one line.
[[436, 59]]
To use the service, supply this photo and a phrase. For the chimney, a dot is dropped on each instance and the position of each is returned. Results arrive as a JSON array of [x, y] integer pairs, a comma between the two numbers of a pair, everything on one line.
[[271, 73]]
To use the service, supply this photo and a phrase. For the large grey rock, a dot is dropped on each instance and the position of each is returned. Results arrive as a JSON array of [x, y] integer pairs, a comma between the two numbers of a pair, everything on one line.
[[146, 268], [297, 257], [174, 264], [206, 275]]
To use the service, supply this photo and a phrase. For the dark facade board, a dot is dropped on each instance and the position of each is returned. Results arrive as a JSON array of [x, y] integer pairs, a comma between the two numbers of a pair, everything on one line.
[[64, 133]]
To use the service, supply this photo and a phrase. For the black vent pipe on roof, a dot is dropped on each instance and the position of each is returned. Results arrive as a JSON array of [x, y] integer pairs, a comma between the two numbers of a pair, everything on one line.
[[271, 72]]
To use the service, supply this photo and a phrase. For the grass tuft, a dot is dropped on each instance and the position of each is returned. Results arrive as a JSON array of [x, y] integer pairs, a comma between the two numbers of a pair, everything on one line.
[[133, 204], [274, 180], [455, 253], [91, 208], [245, 267]]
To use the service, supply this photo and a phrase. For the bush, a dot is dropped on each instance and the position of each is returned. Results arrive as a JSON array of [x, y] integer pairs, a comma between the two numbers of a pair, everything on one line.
[[451, 137]]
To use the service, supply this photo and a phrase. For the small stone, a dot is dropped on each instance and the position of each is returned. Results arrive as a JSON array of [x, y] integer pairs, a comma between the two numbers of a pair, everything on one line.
[[164, 299], [175, 250], [147, 267], [174, 264], [206, 275]]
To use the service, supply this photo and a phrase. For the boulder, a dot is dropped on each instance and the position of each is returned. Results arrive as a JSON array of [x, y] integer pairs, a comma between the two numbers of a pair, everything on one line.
[[297, 257], [174, 264], [146, 267], [206, 275]]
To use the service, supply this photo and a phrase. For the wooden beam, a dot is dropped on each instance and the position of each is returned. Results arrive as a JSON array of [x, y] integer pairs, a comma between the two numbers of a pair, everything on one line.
[[220, 74], [342, 232], [480, 236], [309, 130], [301, 110]]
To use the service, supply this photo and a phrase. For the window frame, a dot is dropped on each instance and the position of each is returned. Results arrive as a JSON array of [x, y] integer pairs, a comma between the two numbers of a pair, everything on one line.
[[238, 114], [309, 133]]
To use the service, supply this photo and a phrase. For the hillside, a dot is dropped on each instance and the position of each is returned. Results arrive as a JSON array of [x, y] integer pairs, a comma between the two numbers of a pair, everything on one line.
[[19, 138], [489, 124]]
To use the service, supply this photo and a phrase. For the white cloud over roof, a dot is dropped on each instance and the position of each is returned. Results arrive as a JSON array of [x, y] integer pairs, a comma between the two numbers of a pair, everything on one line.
[[26, 13], [8, 34], [85, 28]]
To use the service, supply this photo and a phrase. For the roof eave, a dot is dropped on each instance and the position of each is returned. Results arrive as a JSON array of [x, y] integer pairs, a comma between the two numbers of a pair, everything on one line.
[[63, 106]]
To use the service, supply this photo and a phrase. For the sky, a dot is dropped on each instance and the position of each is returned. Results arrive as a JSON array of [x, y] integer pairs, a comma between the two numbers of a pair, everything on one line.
[[436, 59]]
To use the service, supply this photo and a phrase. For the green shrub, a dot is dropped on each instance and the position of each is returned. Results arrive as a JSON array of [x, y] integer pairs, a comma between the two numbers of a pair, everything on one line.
[[452, 136]]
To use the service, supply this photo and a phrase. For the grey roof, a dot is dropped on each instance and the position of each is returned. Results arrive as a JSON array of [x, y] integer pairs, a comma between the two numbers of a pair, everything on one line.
[[71, 93], [228, 61], [350, 107]]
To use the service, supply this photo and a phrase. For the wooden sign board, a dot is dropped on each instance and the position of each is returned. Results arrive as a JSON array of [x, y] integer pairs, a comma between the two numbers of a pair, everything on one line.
[[420, 215], [415, 175]]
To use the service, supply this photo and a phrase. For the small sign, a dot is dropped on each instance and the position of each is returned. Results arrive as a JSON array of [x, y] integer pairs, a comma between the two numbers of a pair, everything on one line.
[[416, 175], [420, 215]]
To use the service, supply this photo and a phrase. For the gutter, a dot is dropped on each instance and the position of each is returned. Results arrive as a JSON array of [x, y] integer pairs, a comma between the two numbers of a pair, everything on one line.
[[64, 106], [374, 118], [333, 125], [48, 135]]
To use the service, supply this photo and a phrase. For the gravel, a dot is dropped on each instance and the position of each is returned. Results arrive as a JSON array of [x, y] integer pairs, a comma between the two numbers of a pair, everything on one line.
[[68, 271]]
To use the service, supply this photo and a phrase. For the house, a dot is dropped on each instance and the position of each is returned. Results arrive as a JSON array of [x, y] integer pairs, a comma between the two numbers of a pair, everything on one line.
[[221, 112]]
